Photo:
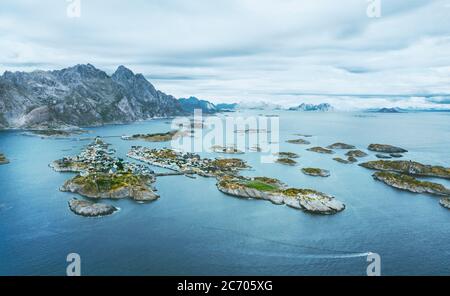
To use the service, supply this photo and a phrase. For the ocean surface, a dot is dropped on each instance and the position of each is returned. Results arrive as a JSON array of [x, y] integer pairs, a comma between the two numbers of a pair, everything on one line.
[[194, 229]]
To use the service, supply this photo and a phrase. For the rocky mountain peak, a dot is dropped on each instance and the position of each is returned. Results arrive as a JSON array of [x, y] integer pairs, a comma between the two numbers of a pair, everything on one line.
[[123, 72]]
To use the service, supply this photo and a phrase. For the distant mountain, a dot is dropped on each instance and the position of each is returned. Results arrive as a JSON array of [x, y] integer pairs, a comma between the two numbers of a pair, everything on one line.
[[257, 105], [323, 107], [192, 103], [388, 110], [80, 96], [408, 110], [226, 107]]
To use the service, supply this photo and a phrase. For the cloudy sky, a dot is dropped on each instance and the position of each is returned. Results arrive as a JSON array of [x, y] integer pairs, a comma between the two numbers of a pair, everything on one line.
[[281, 51]]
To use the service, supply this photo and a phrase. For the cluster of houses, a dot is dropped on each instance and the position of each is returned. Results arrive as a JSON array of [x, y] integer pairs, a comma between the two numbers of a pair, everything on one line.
[[97, 157], [189, 163]]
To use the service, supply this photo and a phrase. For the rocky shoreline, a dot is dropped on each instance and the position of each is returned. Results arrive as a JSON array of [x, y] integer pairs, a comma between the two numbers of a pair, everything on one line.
[[384, 148], [89, 209], [340, 145], [408, 167], [111, 186], [411, 184], [259, 188]]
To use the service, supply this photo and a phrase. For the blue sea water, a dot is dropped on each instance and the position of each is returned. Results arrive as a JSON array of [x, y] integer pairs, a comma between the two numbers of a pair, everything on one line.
[[193, 229]]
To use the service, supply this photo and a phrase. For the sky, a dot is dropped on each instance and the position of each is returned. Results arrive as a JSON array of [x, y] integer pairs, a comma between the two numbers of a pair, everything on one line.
[[279, 51]]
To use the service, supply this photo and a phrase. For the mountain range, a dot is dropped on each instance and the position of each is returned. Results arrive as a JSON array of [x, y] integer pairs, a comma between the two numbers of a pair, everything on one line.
[[323, 107], [192, 103], [81, 95]]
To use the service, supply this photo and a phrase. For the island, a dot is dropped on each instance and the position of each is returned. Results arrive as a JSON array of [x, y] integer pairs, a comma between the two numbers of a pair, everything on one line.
[[101, 175], [408, 167], [226, 150], [356, 153], [226, 171], [286, 161], [299, 141], [287, 154], [384, 148], [349, 159], [90, 209], [56, 133], [273, 190], [157, 137], [340, 146], [383, 156], [316, 172], [321, 150], [187, 163], [408, 183], [3, 159], [114, 186], [303, 135]]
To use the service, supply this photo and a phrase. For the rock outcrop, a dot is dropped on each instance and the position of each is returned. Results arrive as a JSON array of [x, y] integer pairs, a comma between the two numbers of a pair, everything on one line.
[[340, 146], [90, 209], [384, 148]]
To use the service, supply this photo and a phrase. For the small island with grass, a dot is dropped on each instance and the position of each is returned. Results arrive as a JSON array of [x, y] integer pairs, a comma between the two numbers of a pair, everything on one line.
[[409, 183], [286, 161], [321, 150], [385, 148], [275, 191], [316, 172], [349, 159], [299, 142], [340, 145], [114, 186], [55, 133], [408, 167], [156, 137], [356, 153]]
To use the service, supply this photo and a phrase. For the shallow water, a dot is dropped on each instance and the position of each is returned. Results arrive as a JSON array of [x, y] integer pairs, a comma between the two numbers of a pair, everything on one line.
[[193, 229]]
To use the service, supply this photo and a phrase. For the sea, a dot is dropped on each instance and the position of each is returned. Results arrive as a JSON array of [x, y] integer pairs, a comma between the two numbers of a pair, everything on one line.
[[193, 229]]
